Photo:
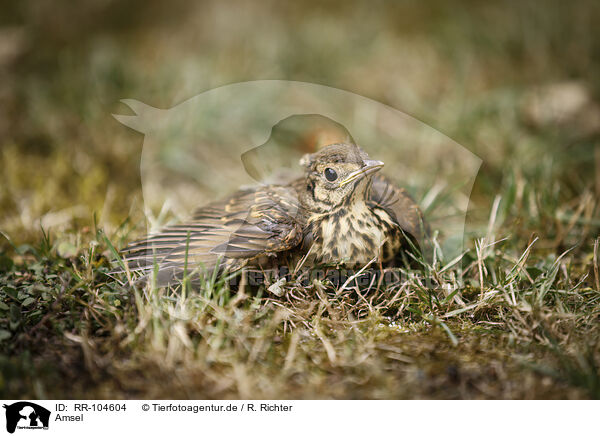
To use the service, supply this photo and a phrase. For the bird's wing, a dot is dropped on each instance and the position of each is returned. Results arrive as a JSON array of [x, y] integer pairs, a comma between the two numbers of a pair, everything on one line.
[[400, 205], [226, 233]]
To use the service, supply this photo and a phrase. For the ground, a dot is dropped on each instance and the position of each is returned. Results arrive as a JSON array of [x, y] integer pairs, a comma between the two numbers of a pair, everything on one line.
[[516, 317]]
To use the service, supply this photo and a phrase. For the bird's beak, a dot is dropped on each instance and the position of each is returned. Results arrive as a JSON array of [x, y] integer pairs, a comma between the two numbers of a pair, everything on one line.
[[370, 167]]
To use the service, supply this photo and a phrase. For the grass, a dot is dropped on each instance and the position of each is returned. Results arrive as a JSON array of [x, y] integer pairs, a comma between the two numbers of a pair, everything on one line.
[[530, 332], [516, 316]]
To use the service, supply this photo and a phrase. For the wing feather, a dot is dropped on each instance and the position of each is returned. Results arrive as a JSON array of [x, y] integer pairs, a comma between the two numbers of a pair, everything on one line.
[[400, 205], [228, 233]]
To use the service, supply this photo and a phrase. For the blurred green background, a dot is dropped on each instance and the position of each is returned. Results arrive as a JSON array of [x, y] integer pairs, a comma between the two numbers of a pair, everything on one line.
[[514, 82]]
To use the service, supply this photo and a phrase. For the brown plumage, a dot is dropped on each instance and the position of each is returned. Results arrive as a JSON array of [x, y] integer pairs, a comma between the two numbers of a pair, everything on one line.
[[340, 212]]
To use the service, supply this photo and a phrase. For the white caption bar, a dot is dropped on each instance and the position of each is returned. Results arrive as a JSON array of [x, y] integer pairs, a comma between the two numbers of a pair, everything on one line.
[[166, 417]]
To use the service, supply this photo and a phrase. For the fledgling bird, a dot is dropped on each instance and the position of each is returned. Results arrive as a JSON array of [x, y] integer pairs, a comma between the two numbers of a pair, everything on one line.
[[340, 212]]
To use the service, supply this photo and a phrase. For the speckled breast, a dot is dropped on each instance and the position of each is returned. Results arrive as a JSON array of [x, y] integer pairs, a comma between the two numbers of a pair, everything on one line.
[[354, 235]]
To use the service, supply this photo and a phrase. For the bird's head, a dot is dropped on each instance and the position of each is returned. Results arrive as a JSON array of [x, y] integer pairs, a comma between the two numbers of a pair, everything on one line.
[[337, 175]]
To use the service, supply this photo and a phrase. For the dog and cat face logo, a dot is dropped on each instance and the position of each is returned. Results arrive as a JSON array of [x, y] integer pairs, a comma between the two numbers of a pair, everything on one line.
[[26, 415]]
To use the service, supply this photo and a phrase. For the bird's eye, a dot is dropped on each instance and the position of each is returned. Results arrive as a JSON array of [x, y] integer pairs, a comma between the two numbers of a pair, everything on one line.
[[330, 174]]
